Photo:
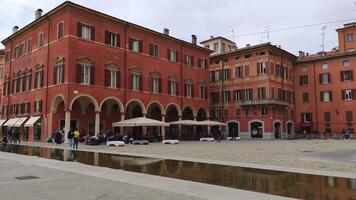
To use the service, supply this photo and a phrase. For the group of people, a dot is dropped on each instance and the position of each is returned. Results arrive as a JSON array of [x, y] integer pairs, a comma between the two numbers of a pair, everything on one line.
[[11, 136], [73, 137]]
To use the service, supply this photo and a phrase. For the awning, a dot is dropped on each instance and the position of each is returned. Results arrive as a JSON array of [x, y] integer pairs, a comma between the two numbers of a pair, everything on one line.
[[32, 121], [11, 122], [20, 122], [2, 122]]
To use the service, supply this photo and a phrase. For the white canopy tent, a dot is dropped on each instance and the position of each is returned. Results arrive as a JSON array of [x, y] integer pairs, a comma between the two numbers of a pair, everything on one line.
[[139, 121], [210, 123], [184, 123]]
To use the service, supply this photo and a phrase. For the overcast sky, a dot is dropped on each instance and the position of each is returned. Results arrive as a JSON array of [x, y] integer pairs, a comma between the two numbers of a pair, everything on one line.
[[212, 17]]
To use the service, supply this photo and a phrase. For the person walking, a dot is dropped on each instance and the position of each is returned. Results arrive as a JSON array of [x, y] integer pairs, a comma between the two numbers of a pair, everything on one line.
[[219, 135], [9, 136], [76, 138], [71, 138], [54, 133], [16, 136]]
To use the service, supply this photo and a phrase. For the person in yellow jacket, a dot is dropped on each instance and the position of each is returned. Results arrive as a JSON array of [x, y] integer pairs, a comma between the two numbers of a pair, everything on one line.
[[76, 138]]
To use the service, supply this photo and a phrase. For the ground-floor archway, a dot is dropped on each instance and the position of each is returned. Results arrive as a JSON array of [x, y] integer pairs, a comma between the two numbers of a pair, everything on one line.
[[277, 129], [233, 128], [187, 132], [256, 128], [155, 111], [111, 110], [135, 108], [201, 131]]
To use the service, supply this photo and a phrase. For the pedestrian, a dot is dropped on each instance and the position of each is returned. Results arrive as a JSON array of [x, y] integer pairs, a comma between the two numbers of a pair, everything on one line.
[[16, 136], [9, 136], [76, 138], [58, 137], [219, 135], [71, 138], [343, 134], [233, 134], [54, 133]]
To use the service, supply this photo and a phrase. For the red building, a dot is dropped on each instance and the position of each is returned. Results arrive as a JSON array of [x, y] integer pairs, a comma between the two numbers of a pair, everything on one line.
[[325, 86], [78, 68], [251, 89]]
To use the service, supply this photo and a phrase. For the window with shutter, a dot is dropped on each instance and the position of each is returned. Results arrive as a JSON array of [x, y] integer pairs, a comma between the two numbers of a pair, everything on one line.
[[60, 31]]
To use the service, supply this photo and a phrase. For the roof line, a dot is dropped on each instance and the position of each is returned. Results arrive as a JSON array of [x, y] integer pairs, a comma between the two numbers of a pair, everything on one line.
[[69, 3]]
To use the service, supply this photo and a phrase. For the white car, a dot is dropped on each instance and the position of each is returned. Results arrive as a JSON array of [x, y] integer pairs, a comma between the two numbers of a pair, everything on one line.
[[170, 142], [115, 143]]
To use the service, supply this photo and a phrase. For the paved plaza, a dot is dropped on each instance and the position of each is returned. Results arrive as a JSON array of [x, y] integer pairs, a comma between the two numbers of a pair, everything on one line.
[[54, 180], [321, 155]]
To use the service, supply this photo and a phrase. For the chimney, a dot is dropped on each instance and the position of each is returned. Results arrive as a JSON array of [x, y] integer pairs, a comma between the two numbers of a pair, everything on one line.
[[211, 37], [307, 54], [38, 13], [247, 45], [194, 39], [15, 29], [166, 31], [301, 54]]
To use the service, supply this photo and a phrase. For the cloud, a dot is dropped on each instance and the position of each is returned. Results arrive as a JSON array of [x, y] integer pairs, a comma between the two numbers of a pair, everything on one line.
[[207, 17]]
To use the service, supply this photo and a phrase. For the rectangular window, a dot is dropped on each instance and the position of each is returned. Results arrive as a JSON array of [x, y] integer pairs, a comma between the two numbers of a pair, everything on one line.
[[264, 111], [86, 74], [305, 97], [327, 116], [135, 46], [172, 55], [346, 75], [29, 45], [135, 82], [40, 40], [248, 94], [326, 96], [113, 79], [306, 117], [39, 79], [154, 50], [227, 74], [216, 47], [60, 31], [203, 92], [349, 116], [112, 39], [248, 111], [304, 80], [214, 97], [217, 75], [324, 66], [324, 78], [262, 93], [345, 63], [347, 94], [261, 68], [350, 37], [226, 96], [38, 106], [238, 112], [59, 74], [247, 70], [239, 72], [188, 90], [188, 60], [172, 87], [155, 85], [202, 63], [86, 32]]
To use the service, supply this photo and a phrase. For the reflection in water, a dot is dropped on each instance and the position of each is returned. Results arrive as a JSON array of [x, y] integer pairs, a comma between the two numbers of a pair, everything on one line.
[[296, 185]]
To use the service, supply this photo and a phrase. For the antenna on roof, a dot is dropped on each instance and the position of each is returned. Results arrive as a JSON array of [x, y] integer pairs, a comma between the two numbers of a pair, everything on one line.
[[267, 32], [323, 28], [233, 35]]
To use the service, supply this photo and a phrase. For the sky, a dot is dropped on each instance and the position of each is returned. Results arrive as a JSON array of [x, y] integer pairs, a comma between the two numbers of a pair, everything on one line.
[[233, 19]]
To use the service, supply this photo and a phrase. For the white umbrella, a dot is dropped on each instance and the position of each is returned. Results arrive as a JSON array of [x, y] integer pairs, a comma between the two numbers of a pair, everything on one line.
[[184, 123], [139, 121], [210, 123]]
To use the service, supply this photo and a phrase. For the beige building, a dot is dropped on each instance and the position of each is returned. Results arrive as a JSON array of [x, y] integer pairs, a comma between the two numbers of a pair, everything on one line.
[[219, 45]]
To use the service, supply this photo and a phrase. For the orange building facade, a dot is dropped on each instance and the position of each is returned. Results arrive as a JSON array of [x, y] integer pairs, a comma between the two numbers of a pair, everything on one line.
[[251, 89], [77, 68], [325, 86]]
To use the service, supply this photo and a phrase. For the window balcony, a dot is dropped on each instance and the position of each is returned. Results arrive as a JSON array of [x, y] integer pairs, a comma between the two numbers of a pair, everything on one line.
[[263, 102]]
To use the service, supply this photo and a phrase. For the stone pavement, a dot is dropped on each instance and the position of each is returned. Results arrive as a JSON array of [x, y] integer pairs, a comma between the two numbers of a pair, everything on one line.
[[75, 181]]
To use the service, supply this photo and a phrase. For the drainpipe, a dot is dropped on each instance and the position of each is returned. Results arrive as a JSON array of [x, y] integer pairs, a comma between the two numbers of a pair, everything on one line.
[[125, 68], [283, 117], [315, 99], [222, 89], [47, 73], [181, 77], [9, 83]]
